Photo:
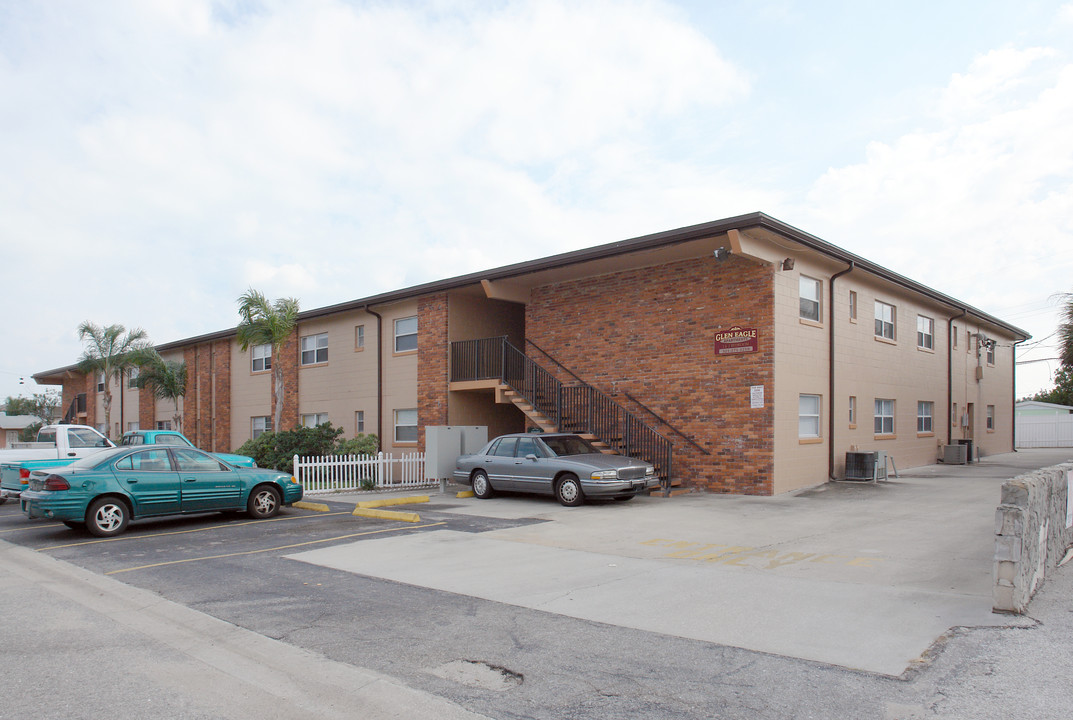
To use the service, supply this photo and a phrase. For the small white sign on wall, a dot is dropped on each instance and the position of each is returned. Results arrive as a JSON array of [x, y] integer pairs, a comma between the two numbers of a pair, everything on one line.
[[756, 396]]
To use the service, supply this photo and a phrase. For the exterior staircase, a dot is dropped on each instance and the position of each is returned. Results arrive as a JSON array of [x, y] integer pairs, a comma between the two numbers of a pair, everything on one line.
[[554, 406]]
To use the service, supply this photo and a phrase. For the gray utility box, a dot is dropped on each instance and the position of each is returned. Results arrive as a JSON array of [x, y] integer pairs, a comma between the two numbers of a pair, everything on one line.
[[955, 454], [443, 445]]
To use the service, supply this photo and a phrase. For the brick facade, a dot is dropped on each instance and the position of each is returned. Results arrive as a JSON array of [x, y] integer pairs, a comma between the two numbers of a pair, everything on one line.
[[207, 406], [650, 332], [146, 409], [432, 349]]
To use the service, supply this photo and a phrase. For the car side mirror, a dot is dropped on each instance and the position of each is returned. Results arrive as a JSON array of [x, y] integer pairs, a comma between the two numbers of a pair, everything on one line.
[[531, 456]]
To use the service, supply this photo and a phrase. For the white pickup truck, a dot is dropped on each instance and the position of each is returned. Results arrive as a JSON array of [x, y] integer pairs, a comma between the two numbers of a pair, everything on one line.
[[55, 445]]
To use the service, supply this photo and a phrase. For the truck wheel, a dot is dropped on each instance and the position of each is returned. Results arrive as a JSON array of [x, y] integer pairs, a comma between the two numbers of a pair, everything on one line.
[[107, 517]]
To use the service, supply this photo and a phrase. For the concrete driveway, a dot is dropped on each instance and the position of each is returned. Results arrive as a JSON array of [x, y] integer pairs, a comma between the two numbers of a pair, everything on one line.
[[857, 575]]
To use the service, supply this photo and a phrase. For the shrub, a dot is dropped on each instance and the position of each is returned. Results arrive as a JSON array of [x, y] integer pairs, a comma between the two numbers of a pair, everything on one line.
[[360, 445], [277, 450]]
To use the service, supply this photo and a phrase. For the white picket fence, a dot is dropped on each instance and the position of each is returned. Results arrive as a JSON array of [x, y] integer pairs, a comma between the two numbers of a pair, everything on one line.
[[333, 473], [1038, 431]]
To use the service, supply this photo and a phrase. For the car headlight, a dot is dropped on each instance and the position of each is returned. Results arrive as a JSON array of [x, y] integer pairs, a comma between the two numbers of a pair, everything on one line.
[[604, 475], [650, 470]]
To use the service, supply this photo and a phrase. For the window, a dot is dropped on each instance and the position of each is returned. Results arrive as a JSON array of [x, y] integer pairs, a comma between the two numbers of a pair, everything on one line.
[[809, 290], [991, 418], [925, 333], [853, 305], [313, 419], [359, 337], [132, 426], [968, 341], [86, 438], [359, 421], [954, 414], [406, 426], [885, 315], [505, 447], [260, 425], [100, 382], [191, 460], [261, 357], [884, 417], [954, 336], [406, 334], [925, 410], [163, 424], [155, 460], [315, 349], [990, 352], [132, 379], [853, 411], [808, 416]]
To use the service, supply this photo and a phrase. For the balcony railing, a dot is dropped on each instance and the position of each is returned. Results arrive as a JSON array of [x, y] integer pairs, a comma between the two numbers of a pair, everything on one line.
[[574, 408]]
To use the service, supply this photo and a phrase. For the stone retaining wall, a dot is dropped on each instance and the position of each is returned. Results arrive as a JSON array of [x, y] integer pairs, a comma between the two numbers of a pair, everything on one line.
[[1033, 532]]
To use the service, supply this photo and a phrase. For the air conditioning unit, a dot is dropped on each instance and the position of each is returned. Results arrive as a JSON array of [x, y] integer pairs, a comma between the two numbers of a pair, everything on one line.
[[866, 466], [955, 454]]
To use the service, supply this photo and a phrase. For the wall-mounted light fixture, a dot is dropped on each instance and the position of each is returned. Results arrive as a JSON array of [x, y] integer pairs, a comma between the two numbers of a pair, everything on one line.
[[721, 254], [788, 264]]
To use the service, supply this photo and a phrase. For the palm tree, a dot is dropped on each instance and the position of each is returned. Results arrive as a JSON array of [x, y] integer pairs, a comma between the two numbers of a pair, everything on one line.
[[265, 323], [1065, 332], [167, 380], [111, 351]]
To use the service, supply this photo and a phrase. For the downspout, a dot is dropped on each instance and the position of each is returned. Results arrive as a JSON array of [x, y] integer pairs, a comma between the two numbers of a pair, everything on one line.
[[831, 369], [379, 376], [950, 375], [1013, 392]]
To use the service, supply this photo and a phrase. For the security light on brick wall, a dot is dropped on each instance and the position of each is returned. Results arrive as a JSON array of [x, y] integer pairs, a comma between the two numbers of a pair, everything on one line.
[[788, 264], [721, 253]]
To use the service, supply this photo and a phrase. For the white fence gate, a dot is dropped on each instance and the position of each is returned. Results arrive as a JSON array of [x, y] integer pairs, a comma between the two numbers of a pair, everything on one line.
[[330, 473], [1040, 431]]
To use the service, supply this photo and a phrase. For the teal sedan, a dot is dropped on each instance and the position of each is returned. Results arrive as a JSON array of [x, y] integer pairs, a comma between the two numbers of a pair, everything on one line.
[[104, 492]]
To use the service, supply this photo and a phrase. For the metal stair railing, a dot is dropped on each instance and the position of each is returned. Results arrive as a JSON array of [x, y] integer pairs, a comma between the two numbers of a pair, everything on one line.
[[576, 408]]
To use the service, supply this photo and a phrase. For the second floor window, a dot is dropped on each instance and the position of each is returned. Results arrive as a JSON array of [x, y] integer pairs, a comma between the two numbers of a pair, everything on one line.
[[884, 320], [884, 417], [406, 334], [315, 349], [925, 332], [810, 298], [261, 357]]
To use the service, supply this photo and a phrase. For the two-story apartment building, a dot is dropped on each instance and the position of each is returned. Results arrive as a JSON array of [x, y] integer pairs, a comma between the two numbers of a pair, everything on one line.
[[741, 355]]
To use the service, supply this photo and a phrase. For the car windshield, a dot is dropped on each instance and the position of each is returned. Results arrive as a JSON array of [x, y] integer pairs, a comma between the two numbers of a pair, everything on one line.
[[569, 445]]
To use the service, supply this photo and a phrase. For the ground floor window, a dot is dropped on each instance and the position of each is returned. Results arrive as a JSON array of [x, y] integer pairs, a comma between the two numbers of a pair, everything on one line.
[[406, 425], [163, 424], [853, 411], [260, 425], [884, 417], [925, 410], [808, 416], [314, 419], [359, 421], [131, 426], [990, 417]]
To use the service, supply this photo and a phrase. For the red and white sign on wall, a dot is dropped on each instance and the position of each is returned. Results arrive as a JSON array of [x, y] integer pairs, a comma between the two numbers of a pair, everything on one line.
[[735, 341]]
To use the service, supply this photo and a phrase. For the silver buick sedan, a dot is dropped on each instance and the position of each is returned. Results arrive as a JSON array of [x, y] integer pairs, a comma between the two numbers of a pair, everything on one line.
[[565, 466]]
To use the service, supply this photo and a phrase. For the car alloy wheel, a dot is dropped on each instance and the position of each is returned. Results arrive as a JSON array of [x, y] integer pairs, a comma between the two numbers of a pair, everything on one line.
[[568, 491], [264, 502], [481, 487], [107, 517]]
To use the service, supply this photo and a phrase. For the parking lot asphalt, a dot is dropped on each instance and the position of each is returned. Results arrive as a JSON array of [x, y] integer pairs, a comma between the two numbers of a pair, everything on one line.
[[210, 616], [863, 576]]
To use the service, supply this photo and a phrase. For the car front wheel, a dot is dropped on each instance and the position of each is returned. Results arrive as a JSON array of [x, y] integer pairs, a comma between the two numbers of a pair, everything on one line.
[[481, 487], [568, 491], [107, 517], [263, 503]]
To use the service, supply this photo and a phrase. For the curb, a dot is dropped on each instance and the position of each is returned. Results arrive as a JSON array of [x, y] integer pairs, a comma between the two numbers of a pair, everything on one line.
[[387, 514], [386, 502], [318, 507]]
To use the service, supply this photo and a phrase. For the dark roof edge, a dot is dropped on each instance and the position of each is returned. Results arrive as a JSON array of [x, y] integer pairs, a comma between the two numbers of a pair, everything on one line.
[[620, 247]]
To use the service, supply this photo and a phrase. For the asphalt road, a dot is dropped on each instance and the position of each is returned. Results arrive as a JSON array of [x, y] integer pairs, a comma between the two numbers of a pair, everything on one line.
[[505, 661]]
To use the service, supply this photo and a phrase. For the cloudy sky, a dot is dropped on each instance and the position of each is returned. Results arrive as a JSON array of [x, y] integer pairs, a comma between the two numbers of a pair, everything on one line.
[[159, 157]]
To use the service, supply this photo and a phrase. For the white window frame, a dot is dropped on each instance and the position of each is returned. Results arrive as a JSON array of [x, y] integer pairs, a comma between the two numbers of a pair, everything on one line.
[[409, 432], [314, 349], [990, 423], [807, 287], [259, 425], [100, 382], [132, 426], [886, 321], [925, 416], [359, 421], [313, 419], [853, 305], [163, 424], [853, 410], [403, 334], [808, 416], [359, 337], [132, 378], [883, 417], [261, 358], [925, 332], [990, 352]]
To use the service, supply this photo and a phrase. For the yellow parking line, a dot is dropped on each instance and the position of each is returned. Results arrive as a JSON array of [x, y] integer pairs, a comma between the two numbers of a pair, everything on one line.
[[121, 538], [272, 549]]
